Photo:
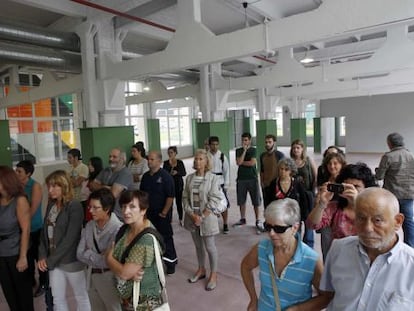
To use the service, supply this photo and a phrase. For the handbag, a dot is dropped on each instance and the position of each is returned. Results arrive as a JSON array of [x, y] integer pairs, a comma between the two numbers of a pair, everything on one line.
[[135, 296], [275, 292]]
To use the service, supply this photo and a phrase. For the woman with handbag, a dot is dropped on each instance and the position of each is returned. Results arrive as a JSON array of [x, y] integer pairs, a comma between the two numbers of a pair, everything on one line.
[[203, 201], [135, 259], [280, 258]]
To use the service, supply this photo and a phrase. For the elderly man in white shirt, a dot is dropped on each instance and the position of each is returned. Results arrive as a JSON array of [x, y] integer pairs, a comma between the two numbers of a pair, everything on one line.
[[220, 167], [371, 271]]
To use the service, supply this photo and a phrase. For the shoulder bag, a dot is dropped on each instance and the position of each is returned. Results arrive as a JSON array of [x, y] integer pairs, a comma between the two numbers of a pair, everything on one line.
[[275, 292], [135, 296]]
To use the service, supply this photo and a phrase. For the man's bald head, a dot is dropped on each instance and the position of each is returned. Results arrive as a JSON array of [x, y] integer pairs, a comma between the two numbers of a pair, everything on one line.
[[378, 195]]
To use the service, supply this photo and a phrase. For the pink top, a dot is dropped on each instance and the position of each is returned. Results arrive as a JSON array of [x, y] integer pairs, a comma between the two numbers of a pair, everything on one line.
[[341, 225]]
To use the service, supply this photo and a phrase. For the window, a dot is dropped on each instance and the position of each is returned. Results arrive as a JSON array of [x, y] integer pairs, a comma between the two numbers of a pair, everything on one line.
[[134, 115], [309, 115], [175, 126], [279, 121], [342, 126], [42, 131]]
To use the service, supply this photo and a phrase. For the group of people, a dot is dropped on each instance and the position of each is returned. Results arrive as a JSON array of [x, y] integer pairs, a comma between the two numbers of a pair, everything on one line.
[[365, 266], [111, 222]]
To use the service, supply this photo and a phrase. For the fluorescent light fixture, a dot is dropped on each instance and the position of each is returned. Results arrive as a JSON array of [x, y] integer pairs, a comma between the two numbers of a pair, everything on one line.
[[146, 88], [307, 60]]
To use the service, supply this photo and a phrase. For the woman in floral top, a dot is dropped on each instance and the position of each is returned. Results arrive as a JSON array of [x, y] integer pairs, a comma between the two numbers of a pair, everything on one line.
[[139, 263], [339, 214]]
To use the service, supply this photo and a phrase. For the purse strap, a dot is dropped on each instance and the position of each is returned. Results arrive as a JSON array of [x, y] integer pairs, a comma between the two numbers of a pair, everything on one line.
[[161, 276], [274, 286]]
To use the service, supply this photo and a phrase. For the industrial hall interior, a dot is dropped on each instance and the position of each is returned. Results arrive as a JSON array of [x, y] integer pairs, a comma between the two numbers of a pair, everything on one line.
[[175, 81]]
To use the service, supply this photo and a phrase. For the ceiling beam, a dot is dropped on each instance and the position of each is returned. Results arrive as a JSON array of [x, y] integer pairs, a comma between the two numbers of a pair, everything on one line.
[[194, 45]]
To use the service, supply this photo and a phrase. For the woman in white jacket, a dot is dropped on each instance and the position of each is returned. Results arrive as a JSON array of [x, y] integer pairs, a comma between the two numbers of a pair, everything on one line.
[[202, 199]]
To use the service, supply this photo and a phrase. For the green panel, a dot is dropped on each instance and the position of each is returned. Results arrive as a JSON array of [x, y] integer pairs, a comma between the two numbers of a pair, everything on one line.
[[263, 128], [203, 132], [230, 124], [153, 134], [99, 141], [5, 147], [220, 129], [194, 123], [247, 124], [298, 129], [317, 146], [337, 125]]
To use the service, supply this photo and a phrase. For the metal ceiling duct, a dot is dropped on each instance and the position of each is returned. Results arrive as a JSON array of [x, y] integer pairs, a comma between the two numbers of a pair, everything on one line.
[[30, 34], [29, 55]]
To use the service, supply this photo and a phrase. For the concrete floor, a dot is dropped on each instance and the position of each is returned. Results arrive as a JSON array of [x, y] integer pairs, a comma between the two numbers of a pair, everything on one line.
[[230, 294]]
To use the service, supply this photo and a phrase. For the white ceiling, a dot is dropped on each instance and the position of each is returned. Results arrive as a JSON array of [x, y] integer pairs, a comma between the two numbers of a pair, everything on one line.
[[331, 54]]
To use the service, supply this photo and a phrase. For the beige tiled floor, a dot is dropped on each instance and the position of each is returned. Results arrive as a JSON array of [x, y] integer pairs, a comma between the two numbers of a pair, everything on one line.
[[230, 293]]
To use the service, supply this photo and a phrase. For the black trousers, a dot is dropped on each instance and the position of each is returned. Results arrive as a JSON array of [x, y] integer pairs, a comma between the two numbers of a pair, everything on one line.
[[17, 286], [179, 201], [163, 225], [33, 256]]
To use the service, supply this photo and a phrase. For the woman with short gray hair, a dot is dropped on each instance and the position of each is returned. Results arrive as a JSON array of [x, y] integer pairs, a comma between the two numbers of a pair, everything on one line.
[[283, 253]]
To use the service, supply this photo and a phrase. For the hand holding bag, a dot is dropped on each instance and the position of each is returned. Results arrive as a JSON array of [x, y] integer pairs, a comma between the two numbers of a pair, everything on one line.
[[135, 296]]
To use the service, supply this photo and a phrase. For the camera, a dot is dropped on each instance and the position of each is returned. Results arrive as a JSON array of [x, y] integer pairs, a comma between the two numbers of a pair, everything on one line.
[[335, 188]]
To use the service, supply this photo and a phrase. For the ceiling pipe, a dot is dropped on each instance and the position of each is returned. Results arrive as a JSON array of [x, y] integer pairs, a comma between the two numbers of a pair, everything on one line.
[[30, 55], [142, 20], [25, 33], [122, 14]]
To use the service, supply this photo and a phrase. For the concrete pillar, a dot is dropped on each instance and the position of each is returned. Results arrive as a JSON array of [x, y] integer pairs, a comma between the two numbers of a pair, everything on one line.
[[104, 100]]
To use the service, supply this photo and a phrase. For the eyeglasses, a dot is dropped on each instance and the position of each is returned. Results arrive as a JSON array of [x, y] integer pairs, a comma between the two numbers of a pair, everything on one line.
[[94, 207], [276, 228]]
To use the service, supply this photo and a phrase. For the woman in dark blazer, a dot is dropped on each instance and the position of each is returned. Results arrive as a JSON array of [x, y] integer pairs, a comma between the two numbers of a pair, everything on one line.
[[177, 170], [58, 243]]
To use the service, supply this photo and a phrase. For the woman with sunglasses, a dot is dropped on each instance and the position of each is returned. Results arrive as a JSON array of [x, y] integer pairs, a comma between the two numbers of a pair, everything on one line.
[[279, 259]]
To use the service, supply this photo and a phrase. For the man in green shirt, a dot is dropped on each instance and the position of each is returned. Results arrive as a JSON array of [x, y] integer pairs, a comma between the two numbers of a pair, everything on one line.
[[247, 181]]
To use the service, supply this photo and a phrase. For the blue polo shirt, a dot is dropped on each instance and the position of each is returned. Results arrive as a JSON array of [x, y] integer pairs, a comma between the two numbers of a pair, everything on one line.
[[159, 186], [295, 283]]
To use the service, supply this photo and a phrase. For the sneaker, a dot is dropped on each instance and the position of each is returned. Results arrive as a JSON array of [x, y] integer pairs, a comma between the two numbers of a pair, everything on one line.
[[225, 229], [259, 227], [40, 291], [241, 222], [170, 269]]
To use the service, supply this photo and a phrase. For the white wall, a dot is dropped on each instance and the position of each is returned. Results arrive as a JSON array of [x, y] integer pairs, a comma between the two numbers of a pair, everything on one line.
[[369, 119]]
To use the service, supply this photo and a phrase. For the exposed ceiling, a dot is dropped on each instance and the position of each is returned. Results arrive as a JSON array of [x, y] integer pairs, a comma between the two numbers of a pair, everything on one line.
[[219, 16]]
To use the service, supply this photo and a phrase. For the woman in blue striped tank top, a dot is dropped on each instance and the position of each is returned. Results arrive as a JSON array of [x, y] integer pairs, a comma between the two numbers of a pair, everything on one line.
[[288, 267]]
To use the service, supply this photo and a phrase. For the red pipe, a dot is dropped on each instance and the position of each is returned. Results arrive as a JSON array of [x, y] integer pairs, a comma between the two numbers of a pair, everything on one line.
[[122, 14], [264, 59], [141, 20]]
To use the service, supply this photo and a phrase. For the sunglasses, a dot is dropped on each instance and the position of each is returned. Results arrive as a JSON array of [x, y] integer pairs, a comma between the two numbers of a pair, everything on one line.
[[276, 228]]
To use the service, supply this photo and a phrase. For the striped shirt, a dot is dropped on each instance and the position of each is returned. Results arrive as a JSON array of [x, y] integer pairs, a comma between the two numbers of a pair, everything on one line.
[[295, 283]]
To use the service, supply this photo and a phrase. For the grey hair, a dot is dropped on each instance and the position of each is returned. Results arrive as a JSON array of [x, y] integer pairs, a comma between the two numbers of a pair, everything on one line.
[[290, 164], [395, 140], [285, 210], [123, 156]]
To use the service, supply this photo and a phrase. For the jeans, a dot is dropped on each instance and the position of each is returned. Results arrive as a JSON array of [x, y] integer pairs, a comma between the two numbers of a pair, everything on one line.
[[406, 208], [308, 237], [77, 280]]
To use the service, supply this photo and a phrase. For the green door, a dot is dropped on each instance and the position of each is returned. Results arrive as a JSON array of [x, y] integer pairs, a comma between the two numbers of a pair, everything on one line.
[[5, 148]]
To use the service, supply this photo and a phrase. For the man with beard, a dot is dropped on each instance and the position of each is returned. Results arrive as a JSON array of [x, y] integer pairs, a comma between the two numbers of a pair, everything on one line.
[[117, 177], [268, 167], [371, 271], [159, 185]]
